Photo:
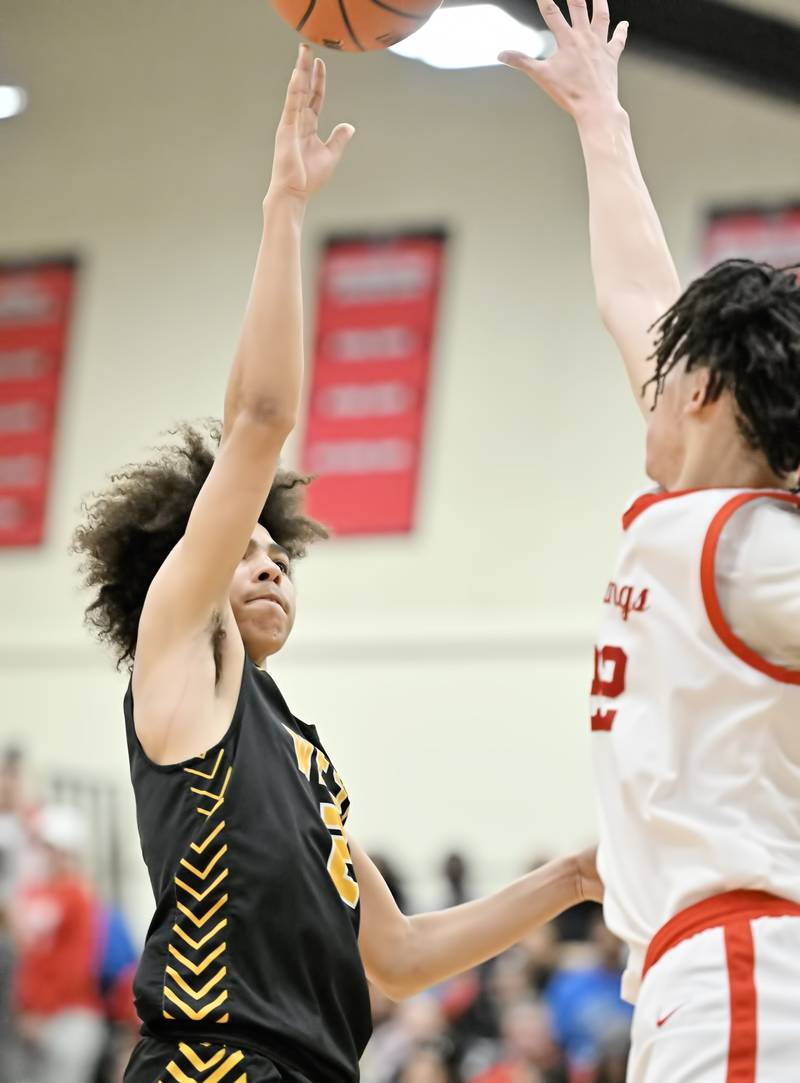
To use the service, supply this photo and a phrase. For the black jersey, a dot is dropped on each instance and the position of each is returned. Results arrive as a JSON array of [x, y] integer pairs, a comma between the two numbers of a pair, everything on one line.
[[255, 936]]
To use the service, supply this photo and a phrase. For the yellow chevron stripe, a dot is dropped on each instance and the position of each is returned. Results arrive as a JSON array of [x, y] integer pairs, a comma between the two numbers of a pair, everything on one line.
[[201, 1013], [202, 774], [176, 1073], [196, 969], [215, 796], [194, 1060], [197, 944], [202, 875], [201, 966], [200, 922], [168, 1016], [201, 895], [228, 1066], [200, 993], [199, 849]]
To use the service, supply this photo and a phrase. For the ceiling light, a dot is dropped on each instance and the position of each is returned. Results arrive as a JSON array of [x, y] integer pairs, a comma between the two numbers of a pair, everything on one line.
[[13, 100], [471, 37]]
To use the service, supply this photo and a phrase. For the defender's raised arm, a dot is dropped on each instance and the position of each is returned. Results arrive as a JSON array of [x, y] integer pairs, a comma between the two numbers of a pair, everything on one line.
[[635, 277]]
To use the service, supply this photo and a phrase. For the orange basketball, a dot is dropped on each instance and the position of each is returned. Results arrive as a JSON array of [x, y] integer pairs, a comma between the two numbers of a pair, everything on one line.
[[356, 26]]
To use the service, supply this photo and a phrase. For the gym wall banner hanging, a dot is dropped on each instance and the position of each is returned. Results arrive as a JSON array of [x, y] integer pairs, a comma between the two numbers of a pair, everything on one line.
[[377, 306], [35, 308], [766, 233]]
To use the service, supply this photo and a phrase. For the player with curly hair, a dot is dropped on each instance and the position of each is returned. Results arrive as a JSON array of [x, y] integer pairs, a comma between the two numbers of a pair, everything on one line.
[[269, 916], [696, 690]]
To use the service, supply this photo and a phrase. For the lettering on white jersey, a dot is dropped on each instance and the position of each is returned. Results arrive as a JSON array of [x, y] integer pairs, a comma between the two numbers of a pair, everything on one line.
[[627, 598]]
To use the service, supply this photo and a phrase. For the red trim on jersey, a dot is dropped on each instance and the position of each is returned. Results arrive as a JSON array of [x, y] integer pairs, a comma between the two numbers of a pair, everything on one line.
[[708, 581], [733, 907], [743, 1040], [642, 503]]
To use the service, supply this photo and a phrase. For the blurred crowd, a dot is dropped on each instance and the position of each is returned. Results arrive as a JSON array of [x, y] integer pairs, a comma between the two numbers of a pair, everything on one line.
[[548, 1011], [67, 958]]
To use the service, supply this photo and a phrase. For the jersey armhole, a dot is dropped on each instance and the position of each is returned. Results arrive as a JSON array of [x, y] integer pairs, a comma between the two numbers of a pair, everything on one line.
[[708, 582], [136, 747]]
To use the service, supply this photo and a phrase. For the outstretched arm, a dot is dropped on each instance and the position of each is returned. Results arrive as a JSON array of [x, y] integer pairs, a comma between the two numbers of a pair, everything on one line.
[[634, 274], [404, 955], [261, 404]]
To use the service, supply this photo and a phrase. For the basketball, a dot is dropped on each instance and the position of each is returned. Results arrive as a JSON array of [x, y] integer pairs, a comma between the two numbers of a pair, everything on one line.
[[355, 26]]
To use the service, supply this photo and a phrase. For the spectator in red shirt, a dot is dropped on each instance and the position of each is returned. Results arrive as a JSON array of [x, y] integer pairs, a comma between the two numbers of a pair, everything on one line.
[[61, 1015]]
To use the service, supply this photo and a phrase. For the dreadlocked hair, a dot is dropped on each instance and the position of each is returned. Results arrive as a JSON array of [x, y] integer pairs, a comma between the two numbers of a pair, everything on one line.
[[741, 320], [129, 529]]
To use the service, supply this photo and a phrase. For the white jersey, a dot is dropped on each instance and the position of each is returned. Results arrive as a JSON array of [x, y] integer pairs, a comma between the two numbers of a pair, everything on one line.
[[696, 737]]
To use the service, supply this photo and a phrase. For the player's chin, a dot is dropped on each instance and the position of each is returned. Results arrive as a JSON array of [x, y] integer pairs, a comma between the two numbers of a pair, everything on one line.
[[272, 646], [266, 637], [278, 630], [264, 645]]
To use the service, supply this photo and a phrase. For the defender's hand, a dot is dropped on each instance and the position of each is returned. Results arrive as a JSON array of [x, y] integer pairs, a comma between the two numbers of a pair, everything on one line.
[[303, 162], [583, 73]]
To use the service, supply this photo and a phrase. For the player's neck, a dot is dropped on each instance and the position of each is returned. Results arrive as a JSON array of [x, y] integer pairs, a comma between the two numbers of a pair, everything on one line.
[[729, 465]]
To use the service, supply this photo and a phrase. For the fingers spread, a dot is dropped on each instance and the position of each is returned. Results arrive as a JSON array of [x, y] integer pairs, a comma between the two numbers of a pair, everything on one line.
[[601, 17], [578, 13], [519, 61], [299, 85], [339, 138], [317, 99], [620, 38], [551, 13]]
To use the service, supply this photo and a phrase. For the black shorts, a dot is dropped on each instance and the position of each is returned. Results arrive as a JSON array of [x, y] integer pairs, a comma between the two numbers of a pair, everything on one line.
[[199, 1062]]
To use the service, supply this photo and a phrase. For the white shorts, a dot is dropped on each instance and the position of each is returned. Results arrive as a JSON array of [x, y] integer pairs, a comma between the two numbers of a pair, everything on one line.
[[722, 1006]]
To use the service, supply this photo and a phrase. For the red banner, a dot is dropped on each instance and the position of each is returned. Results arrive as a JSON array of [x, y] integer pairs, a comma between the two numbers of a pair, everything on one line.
[[766, 234], [35, 306], [376, 319]]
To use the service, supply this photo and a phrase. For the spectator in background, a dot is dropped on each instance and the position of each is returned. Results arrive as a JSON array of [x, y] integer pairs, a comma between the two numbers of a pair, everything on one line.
[[428, 1064], [505, 983], [394, 880], [531, 1054], [55, 920], [9, 1049], [117, 960], [14, 814], [13, 839], [456, 877], [399, 1032], [614, 1049], [584, 999]]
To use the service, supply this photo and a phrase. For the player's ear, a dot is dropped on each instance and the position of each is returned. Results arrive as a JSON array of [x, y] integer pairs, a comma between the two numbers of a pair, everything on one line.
[[697, 383]]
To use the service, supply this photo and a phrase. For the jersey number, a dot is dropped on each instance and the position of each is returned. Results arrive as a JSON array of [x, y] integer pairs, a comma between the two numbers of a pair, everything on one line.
[[340, 859], [610, 669], [331, 812]]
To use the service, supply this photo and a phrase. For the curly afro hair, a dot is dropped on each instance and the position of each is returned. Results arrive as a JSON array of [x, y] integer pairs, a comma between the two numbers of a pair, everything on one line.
[[741, 320], [129, 529]]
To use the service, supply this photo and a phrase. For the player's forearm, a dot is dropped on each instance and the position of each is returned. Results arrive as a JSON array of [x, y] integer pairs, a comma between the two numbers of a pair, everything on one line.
[[630, 255], [267, 373], [448, 942]]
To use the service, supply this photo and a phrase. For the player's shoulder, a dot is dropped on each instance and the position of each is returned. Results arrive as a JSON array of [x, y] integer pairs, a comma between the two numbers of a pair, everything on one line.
[[759, 546], [769, 531]]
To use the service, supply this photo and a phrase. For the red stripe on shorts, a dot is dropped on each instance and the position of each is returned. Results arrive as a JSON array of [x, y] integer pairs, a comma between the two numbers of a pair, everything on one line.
[[733, 912], [743, 1040], [720, 910]]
